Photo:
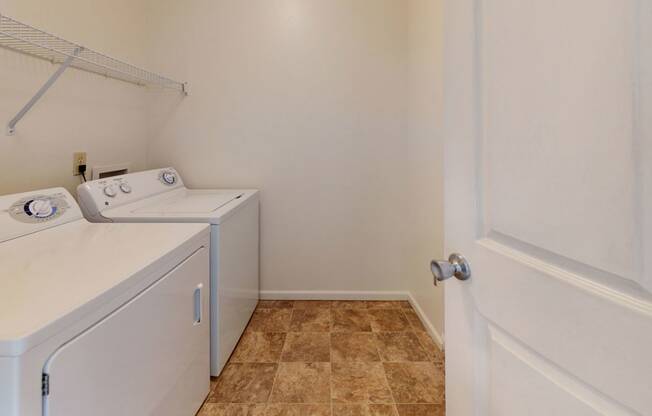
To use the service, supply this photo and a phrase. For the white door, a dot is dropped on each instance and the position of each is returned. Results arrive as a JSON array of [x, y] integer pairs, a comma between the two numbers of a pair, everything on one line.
[[548, 172]]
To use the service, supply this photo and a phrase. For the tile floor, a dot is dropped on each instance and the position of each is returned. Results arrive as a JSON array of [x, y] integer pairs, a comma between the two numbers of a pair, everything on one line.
[[331, 358]]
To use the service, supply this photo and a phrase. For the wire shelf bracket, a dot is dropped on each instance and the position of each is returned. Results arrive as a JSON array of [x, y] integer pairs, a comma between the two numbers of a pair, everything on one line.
[[26, 39]]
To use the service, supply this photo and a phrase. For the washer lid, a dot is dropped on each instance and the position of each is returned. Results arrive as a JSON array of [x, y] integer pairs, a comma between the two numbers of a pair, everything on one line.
[[191, 203], [212, 206]]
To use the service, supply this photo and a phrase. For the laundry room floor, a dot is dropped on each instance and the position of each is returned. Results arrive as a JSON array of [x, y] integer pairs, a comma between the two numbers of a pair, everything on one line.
[[331, 358]]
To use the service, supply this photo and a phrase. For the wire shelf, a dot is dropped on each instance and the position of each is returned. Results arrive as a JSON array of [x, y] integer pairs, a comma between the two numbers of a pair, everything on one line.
[[29, 40]]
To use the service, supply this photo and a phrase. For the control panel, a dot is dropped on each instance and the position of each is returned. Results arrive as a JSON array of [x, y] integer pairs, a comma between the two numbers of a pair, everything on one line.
[[39, 208], [29, 212], [111, 188], [98, 195]]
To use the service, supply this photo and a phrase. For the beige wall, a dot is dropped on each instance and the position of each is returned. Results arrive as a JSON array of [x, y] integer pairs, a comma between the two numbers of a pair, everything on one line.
[[329, 108], [425, 149], [82, 112], [304, 100]]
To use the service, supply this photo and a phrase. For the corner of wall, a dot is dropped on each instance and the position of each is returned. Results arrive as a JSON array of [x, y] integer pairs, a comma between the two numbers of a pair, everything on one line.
[[432, 330]]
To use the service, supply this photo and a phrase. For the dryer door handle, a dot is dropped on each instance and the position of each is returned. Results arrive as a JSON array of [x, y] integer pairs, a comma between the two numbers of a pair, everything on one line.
[[198, 304]]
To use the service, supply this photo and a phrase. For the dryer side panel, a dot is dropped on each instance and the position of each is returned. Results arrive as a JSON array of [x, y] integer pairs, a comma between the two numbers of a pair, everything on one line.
[[235, 280]]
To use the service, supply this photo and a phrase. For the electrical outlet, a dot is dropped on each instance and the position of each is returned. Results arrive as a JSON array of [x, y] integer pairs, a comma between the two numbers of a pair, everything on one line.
[[78, 158]]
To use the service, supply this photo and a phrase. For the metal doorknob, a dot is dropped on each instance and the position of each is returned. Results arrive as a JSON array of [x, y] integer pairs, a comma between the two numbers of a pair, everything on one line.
[[455, 266]]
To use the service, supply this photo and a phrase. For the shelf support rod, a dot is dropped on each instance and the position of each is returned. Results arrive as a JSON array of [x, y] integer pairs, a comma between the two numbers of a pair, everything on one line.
[[11, 127]]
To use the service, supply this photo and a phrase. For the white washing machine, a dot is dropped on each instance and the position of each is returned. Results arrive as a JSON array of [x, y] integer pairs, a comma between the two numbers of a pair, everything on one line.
[[160, 196], [100, 319]]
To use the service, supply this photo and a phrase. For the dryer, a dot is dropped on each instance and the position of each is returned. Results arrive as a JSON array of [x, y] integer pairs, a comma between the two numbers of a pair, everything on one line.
[[99, 319], [160, 196]]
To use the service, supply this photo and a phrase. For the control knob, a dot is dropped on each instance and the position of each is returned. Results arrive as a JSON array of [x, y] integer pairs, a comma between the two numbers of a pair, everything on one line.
[[40, 208], [110, 191], [169, 178]]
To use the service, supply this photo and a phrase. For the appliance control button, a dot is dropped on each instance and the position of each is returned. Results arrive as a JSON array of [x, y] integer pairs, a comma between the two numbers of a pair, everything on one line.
[[169, 178], [40, 208], [110, 191], [125, 187]]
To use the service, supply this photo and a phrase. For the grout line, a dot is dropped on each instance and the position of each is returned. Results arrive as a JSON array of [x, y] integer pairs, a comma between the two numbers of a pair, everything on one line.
[[391, 392], [278, 370]]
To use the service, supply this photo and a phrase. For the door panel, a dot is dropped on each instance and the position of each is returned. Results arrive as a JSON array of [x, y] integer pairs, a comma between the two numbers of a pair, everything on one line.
[[558, 106], [548, 174], [150, 357], [558, 125], [539, 382], [597, 335]]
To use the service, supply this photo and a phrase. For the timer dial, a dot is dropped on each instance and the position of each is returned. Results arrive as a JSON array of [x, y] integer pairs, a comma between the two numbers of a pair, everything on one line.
[[39, 208], [168, 177]]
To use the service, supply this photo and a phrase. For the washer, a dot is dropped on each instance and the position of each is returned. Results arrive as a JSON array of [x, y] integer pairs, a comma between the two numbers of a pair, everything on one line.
[[160, 196], [100, 319]]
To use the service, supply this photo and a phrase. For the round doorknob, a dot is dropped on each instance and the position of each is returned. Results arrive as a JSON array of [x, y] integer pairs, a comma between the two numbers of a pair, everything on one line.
[[455, 266]]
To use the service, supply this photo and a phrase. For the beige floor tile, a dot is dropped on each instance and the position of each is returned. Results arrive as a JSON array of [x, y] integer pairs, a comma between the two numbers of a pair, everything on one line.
[[384, 304], [364, 410], [259, 347], [414, 320], [421, 409], [353, 346], [298, 410], [414, 383], [432, 349], [232, 409], [399, 346], [349, 304], [276, 304], [382, 410], [302, 383], [270, 320], [359, 382], [388, 320], [254, 383], [350, 320], [211, 409], [406, 305], [307, 347], [244, 383], [311, 320], [312, 304]]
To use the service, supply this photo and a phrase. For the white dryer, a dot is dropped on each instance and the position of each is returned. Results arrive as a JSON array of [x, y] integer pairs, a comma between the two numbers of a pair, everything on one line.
[[160, 196], [99, 319]]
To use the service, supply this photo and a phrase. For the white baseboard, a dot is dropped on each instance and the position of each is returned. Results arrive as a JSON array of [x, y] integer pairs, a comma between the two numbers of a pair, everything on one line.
[[332, 295], [439, 339], [355, 295]]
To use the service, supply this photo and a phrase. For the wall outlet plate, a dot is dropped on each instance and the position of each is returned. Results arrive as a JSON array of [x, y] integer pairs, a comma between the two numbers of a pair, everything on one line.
[[78, 158]]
